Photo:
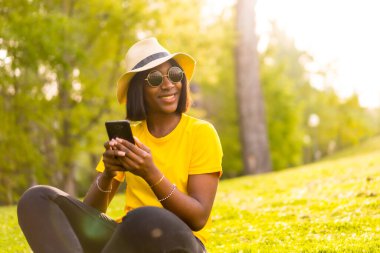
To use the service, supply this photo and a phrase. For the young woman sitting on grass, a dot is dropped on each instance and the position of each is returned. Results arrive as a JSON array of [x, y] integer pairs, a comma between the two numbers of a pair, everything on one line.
[[172, 172]]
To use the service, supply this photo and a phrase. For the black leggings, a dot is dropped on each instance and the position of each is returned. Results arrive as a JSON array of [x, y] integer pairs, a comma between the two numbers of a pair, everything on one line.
[[53, 221]]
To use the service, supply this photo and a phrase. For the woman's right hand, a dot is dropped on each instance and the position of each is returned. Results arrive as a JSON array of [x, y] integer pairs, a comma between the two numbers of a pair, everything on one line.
[[110, 159]]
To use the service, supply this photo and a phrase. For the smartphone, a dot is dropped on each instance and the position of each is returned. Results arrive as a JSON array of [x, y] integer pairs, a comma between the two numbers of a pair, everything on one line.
[[121, 129]]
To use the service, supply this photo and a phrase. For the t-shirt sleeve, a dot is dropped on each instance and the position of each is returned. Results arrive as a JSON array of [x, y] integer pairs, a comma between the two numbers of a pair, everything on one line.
[[207, 151], [120, 176]]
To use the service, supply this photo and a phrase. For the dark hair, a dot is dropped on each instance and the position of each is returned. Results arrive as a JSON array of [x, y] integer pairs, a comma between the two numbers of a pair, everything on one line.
[[136, 110]]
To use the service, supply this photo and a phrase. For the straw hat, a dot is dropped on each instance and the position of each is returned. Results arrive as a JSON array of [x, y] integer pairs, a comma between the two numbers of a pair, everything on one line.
[[147, 54]]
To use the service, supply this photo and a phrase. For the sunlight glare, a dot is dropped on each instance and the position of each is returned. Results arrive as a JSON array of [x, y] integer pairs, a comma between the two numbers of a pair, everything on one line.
[[333, 31]]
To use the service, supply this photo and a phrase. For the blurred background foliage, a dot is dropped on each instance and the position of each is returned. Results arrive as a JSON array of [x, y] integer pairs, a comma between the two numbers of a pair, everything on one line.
[[60, 60]]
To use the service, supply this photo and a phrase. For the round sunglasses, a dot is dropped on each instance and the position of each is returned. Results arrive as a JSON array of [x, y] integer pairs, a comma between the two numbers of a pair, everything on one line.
[[155, 78]]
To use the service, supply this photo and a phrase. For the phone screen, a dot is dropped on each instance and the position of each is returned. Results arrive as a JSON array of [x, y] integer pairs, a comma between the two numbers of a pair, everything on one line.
[[121, 129]]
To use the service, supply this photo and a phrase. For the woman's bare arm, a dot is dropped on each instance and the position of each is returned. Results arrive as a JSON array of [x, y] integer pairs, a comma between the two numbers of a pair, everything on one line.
[[104, 186], [194, 208], [100, 199]]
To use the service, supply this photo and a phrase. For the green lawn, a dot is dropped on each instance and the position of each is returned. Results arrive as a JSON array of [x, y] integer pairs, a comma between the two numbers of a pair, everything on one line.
[[329, 206]]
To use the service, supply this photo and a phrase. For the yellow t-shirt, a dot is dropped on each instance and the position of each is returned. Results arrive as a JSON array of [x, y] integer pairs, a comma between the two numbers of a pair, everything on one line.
[[193, 147]]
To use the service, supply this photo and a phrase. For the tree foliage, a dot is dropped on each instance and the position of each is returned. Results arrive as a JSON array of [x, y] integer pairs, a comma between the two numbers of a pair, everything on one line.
[[292, 102], [281, 75], [60, 60]]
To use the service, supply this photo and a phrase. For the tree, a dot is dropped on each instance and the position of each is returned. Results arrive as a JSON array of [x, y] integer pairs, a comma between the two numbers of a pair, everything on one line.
[[253, 130], [60, 58], [282, 75]]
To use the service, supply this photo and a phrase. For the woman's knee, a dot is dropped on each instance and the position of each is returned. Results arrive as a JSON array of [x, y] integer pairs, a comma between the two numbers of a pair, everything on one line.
[[152, 229], [35, 195], [154, 223], [150, 216]]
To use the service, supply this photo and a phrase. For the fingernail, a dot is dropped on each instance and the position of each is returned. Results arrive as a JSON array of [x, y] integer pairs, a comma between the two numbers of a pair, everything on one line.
[[121, 153]]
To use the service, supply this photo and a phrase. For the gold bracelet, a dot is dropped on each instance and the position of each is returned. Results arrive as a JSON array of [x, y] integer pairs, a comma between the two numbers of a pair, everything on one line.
[[100, 189], [159, 181], [169, 195]]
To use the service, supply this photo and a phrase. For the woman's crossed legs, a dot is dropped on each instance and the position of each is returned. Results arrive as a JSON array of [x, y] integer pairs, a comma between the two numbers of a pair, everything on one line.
[[53, 221]]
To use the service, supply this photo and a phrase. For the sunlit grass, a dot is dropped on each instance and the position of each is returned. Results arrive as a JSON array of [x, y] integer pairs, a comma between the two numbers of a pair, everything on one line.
[[11, 238], [330, 206]]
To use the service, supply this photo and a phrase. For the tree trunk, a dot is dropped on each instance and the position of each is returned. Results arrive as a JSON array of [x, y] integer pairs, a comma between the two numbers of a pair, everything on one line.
[[66, 141], [253, 132]]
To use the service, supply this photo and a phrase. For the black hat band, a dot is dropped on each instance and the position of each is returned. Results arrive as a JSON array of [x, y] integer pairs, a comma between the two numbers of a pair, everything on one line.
[[150, 58]]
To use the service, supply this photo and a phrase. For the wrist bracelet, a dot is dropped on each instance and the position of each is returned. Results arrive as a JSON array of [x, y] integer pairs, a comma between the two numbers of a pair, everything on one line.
[[100, 189], [169, 195], [159, 181]]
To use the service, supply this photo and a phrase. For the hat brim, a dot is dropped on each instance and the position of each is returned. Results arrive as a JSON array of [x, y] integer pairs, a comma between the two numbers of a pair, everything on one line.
[[186, 62]]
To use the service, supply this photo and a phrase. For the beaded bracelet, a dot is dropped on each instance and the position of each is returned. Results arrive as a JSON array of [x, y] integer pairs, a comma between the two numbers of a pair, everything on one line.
[[159, 181], [100, 189], [169, 195]]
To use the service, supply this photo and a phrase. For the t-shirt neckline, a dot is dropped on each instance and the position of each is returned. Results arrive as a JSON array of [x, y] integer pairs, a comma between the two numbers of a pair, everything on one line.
[[169, 135]]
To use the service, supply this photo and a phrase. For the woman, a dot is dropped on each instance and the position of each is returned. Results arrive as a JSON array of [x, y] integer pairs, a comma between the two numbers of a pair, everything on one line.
[[172, 171]]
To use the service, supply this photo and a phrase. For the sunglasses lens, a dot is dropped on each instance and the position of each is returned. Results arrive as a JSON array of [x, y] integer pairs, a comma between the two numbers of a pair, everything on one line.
[[155, 78], [175, 74]]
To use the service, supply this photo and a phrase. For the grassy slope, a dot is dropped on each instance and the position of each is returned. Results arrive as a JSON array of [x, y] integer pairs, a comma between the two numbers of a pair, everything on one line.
[[329, 206]]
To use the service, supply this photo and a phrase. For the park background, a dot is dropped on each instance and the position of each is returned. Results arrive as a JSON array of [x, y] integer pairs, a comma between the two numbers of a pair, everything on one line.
[[59, 62]]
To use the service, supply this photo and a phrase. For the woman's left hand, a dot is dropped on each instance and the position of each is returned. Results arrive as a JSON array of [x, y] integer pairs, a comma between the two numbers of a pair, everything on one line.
[[138, 159]]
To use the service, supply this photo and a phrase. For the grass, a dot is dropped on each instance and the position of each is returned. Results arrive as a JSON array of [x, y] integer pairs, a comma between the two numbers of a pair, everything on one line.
[[329, 206]]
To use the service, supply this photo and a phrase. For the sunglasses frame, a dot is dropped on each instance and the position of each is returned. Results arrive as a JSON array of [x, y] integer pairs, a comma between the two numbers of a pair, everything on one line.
[[163, 76]]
